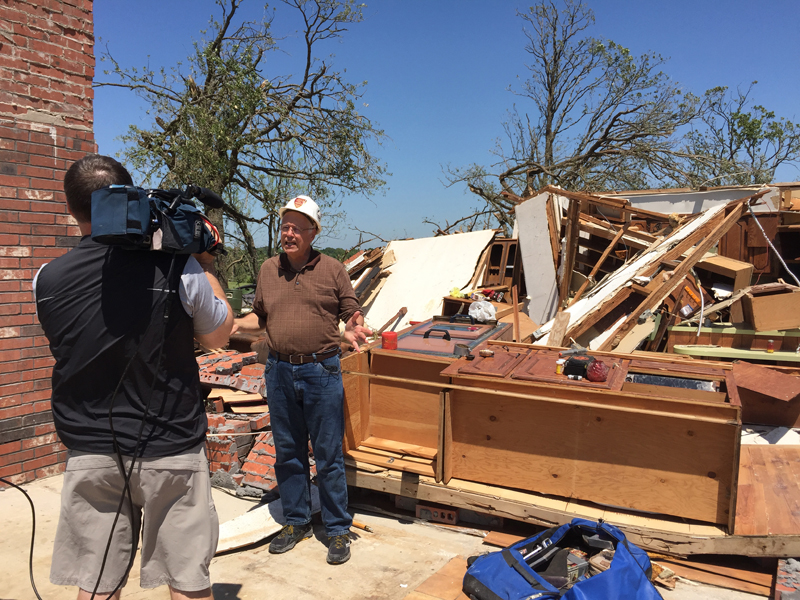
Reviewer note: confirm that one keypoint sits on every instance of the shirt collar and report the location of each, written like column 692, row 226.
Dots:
column 312, row 261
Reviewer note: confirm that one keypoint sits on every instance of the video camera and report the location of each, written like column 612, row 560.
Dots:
column 153, row 219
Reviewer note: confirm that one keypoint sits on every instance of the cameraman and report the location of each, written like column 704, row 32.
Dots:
column 125, row 378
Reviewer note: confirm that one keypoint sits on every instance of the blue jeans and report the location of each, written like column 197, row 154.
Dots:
column 308, row 401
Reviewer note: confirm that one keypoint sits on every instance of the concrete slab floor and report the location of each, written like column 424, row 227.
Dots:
column 386, row 564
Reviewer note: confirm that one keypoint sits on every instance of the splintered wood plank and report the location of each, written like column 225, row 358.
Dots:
column 256, row 409
column 392, row 463
column 559, row 329
column 766, row 381
column 232, row 396
column 717, row 580
column 741, row 569
column 395, row 446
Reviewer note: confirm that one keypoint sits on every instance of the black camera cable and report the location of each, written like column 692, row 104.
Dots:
column 126, row 476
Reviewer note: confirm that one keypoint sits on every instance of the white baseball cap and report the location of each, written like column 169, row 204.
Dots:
column 304, row 205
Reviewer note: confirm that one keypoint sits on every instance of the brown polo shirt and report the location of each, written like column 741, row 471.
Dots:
column 303, row 309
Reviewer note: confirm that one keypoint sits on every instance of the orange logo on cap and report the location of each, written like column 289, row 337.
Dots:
column 298, row 202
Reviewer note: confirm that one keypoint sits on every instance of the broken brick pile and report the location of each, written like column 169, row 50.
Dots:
column 227, row 452
column 229, row 446
column 234, row 370
column 259, row 468
column 787, row 584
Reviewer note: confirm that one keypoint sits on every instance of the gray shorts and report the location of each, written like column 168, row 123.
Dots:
column 173, row 509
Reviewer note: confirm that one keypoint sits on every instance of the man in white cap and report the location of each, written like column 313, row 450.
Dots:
column 300, row 298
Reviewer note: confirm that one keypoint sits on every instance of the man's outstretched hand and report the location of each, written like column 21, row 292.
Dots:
column 355, row 332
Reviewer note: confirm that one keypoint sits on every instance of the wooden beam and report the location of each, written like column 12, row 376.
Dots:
column 573, row 215
column 650, row 532
column 515, row 304
column 559, row 329
column 658, row 295
column 599, row 263
column 553, row 228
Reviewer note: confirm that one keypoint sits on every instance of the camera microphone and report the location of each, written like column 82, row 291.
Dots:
column 206, row 196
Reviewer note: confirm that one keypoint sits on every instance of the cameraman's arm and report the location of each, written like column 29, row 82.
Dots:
column 204, row 300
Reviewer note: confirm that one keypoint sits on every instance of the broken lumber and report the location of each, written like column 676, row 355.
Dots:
column 660, row 294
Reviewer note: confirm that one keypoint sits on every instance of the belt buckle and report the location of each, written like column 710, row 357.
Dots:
column 299, row 359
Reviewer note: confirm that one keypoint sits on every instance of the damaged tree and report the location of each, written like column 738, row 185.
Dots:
column 601, row 119
column 256, row 138
column 737, row 144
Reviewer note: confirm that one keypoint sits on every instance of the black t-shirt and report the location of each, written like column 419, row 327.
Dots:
column 101, row 308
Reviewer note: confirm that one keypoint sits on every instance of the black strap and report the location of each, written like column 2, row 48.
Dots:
column 132, row 216
column 514, row 564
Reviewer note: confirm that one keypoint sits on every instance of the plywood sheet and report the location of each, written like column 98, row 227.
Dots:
column 536, row 249
column 425, row 270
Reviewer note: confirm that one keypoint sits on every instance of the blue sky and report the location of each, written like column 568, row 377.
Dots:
column 437, row 74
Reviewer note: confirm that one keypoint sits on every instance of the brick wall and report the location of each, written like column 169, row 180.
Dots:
column 46, row 68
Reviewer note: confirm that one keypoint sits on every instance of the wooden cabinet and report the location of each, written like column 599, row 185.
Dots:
column 634, row 442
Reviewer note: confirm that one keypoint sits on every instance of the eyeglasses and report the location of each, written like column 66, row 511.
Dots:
column 295, row 230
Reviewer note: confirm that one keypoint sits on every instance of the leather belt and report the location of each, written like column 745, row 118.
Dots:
column 304, row 359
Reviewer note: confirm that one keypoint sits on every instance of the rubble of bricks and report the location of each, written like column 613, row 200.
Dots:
column 46, row 120
column 233, row 369
column 787, row 584
column 228, row 442
column 259, row 468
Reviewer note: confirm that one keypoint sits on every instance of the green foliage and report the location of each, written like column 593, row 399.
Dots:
column 738, row 144
column 340, row 254
column 259, row 138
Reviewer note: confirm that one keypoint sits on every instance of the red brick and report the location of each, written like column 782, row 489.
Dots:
column 44, row 428
column 15, row 411
column 22, row 365
column 17, row 457
column 48, row 449
column 10, row 447
column 55, row 469
column 41, row 440
column 238, row 425
column 14, row 469
column 18, row 228
column 48, row 207
column 258, row 468
column 13, row 400
column 16, row 388
column 260, row 422
column 215, row 420
column 38, row 463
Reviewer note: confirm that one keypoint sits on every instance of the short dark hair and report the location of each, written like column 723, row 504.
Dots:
column 92, row 172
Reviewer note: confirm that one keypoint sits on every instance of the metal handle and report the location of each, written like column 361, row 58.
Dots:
column 445, row 337
column 464, row 318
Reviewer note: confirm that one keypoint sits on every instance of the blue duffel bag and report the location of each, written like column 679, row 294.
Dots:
column 544, row 566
